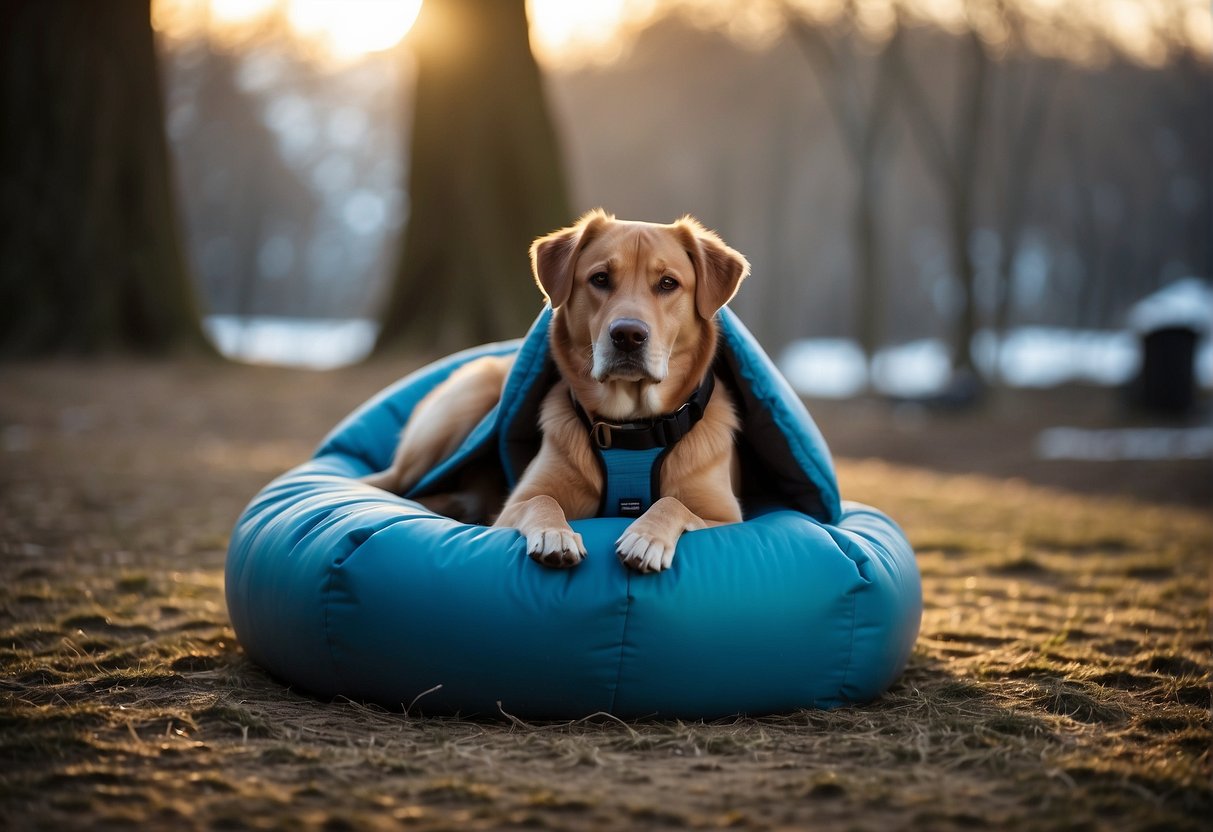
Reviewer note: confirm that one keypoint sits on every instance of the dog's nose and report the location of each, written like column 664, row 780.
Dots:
column 629, row 334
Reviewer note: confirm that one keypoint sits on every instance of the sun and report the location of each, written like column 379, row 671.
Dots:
column 351, row 29
column 343, row 31
column 337, row 30
column 574, row 31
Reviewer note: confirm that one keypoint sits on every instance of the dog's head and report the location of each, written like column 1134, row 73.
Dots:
column 634, row 306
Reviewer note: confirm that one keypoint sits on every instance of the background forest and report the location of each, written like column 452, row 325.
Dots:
column 923, row 187
column 880, row 163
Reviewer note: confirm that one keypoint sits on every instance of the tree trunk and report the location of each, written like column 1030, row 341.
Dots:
column 862, row 118
column 1027, row 101
column 867, row 245
column 960, row 225
column 952, row 149
column 92, row 254
column 970, row 120
column 484, row 180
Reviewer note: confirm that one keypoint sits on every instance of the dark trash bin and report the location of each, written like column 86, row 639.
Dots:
column 1167, row 382
column 1170, row 324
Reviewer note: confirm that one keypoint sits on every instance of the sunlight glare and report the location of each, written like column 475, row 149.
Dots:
column 1198, row 26
column 349, row 30
column 332, row 30
column 1131, row 26
column 239, row 12
column 562, row 30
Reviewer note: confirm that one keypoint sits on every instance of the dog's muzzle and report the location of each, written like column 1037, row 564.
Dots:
column 624, row 353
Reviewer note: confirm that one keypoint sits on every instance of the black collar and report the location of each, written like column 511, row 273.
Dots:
column 659, row 432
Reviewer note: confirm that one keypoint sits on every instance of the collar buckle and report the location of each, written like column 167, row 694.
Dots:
column 601, row 433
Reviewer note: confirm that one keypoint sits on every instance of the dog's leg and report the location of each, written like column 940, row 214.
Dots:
column 547, row 495
column 648, row 544
column 549, row 537
column 442, row 420
column 699, row 481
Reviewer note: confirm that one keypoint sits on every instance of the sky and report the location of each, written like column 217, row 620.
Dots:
column 580, row 31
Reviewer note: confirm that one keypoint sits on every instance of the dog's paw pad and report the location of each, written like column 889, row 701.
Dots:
column 559, row 548
column 644, row 554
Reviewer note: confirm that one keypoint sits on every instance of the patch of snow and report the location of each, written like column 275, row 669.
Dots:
column 315, row 343
column 825, row 368
column 1140, row 444
column 1027, row 357
column 917, row 368
column 1184, row 303
column 1047, row 357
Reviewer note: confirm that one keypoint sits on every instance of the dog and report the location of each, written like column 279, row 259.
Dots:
column 633, row 337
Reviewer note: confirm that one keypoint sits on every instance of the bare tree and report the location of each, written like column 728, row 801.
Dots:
column 238, row 191
column 951, row 145
column 861, row 102
column 1137, row 140
column 1026, row 86
column 485, row 178
column 1189, row 111
column 92, row 257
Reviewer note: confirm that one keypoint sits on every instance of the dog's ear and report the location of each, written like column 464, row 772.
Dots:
column 719, row 269
column 554, row 255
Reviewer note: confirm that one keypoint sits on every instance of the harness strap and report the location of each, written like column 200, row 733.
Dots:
column 631, row 481
column 630, row 454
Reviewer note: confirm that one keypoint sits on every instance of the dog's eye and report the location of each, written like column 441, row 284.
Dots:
column 667, row 284
column 600, row 279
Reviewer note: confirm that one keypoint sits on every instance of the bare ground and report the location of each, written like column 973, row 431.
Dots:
column 1061, row 679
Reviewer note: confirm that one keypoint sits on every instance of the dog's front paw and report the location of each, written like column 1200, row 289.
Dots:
column 558, row 547
column 640, row 549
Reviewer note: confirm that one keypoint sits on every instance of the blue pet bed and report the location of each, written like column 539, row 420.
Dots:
column 340, row 588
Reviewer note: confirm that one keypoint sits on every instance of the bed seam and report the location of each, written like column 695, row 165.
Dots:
column 623, row 640
column 846, row 668
column 328, row 637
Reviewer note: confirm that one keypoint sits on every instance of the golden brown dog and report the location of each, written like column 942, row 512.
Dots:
column 633, row 336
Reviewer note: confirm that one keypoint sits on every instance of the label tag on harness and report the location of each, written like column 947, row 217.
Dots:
column 629, row 507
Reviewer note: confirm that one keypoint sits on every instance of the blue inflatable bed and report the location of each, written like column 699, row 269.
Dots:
column 341, row 589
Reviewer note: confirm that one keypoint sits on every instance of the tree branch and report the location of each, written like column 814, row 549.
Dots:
column 922, row 118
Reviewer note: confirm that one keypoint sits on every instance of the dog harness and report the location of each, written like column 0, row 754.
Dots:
column 630, row 454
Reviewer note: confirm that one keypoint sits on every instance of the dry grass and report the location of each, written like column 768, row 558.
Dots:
column 1061, row 679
